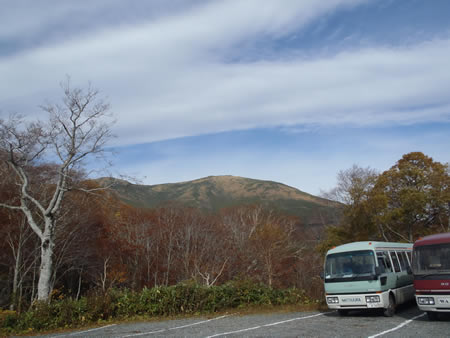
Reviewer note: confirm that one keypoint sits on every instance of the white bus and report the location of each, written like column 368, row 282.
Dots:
column 368, row 275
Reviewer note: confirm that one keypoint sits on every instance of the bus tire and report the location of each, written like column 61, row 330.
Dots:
column 432, row 315
column 390, row 310
column 343, row 313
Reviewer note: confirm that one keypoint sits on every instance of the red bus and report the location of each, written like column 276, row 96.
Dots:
column 431, row 268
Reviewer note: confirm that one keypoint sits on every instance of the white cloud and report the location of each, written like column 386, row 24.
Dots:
column 373, row 86
column 170, row 77
column 40, row 20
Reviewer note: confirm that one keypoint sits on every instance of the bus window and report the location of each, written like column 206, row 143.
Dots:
column 349, row 264
column 429, row 258
column 395, row 261
column 382, row 262
column 387, row 261
column 409, row 254
column 403, row 260
column 363, row 264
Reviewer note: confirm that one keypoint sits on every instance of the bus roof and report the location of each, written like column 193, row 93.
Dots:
column 369, row 245
column 433, row 239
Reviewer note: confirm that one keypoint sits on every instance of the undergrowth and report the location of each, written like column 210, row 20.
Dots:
column 122, row 304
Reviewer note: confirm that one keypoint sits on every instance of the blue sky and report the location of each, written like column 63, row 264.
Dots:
column 287, row 90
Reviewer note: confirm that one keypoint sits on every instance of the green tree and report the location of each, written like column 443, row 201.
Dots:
column 412, row 198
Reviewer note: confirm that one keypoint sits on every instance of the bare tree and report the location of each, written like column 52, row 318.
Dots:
column 24, row 260
column 76, row 130
column 353, row 185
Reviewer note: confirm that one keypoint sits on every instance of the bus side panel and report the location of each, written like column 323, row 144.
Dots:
column 404, row 294
column 428, row 284
column 405, row 285
column 400, row 282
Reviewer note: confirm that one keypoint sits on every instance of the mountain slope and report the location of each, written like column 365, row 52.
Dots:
column 217, row 192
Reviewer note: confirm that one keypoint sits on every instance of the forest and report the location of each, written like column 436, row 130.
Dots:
column 63, row 236
column 103, row 244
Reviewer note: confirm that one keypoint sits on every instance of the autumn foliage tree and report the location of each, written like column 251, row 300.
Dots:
column 264, row 243
column 353, row 191
column 172, row 244
column 409, row 200
column 412, row 198
column 18, row 252
column 75, row 130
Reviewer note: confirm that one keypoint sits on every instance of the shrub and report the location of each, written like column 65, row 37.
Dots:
column 184, row 298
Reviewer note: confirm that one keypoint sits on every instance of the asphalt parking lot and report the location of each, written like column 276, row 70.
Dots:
column 407, row 322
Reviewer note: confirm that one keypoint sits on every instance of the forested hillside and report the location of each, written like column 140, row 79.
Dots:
column 214, row 193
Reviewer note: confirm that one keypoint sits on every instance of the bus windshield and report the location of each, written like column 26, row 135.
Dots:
column 431, row 259
column 348, row 265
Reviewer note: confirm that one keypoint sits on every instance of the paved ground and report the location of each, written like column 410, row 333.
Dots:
column 408, row 322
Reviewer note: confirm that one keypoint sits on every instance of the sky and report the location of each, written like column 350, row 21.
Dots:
column 283, row 90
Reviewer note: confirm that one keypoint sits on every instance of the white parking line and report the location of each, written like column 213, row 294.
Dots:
column 265, row 325
column 175, row 328
column 406, row 322
column 81, row 332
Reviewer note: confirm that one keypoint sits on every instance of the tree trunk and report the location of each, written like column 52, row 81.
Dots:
column 16, row 277
column 79, row 285
column 448, row 229
column 46, row 269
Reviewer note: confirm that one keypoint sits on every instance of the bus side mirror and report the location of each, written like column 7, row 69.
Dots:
column 377, row 271
column 321, row 274
column 409, row 270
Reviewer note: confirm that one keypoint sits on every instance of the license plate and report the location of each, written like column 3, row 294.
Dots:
column 351, row 300
column 443, row 301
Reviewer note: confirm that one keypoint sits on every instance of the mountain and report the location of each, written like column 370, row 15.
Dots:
column 216, row 192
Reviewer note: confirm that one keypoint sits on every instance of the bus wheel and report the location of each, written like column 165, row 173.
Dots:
column 431, row 315
column 343, row 312
column 390, row 310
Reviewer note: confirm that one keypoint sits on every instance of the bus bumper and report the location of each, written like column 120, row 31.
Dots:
column 439, row 303
column 359, row 301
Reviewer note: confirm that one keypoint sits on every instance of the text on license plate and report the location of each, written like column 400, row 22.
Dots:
column 351, row 299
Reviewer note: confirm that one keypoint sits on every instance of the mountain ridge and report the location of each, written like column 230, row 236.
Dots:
column 213, row 193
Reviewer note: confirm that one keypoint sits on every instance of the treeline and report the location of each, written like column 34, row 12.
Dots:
column 410, row 200
column 102, row 244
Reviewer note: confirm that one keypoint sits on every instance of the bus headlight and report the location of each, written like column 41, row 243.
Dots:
column 372, row 299
column 425, row 300
column 332, row 300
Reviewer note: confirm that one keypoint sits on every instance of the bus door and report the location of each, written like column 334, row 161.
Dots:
column 386, row 276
